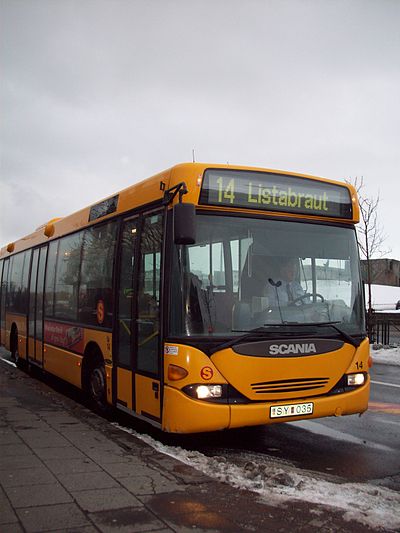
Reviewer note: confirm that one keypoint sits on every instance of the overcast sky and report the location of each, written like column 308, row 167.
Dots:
column 98, row 94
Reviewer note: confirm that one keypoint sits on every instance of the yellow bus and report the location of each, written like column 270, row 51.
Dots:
column 204, row 298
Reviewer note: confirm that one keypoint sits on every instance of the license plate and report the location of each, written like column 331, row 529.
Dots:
column 292, row 409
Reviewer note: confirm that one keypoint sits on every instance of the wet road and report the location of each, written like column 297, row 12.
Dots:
column 354, row 448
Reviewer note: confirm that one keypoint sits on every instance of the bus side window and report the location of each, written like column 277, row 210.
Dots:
column 67, row 275
column 95, row 292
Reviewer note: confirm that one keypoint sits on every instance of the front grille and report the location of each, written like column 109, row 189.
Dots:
column 289, row 385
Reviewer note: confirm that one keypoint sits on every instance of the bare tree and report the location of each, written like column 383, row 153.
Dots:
column 370, row 234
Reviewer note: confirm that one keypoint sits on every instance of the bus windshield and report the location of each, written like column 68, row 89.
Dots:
column 243, row 273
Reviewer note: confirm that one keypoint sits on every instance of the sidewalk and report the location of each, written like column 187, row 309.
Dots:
column 62, row 468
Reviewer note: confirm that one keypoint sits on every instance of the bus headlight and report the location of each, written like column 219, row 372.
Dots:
column 355, row 380
column 204, row 392
column 209, row 392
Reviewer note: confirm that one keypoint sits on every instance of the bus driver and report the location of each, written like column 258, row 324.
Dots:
column 285, row 289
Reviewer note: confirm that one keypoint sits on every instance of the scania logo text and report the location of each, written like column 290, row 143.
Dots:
column 297, row 348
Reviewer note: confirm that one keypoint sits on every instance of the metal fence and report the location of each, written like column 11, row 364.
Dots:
column 384, row 328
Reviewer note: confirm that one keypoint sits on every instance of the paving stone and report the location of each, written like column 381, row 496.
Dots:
column 7, row 515
column 105, row 499
column 20, row 415
column 130, row 520
column 66, row 452
column 57, row 418
column 9, row 437
column 31, row 425
column 19, row 461
column 85, row 529
column 7, row 450
column 8, row 402
column 129, row 469
column 88, row 439
column 168, row 530
column 36, row 433
column 45, row 440
column 66, row 428
column 72, row 466
column 34, row 495
column 48, row 413
column 11, row 528
column 107, row 457
column 52, row 517
column 26, row 476
column 157, row 483
column 87, row 481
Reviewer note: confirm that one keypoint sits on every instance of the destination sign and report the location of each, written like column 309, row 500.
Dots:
column 275, row 192
column 103, row 208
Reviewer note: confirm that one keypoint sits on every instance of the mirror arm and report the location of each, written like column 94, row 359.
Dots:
column 170, row 194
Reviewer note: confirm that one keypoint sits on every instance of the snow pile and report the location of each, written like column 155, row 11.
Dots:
column 279, row 483
column 387, row 355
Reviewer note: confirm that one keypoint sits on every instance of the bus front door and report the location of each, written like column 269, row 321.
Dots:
column 148, row 361
column 36, row 305
column 137, row 346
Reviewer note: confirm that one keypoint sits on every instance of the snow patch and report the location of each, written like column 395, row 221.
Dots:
column 8, row 362
column 277, row 484
column 387, row 355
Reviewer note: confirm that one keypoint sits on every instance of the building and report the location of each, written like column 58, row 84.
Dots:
column 383, row 271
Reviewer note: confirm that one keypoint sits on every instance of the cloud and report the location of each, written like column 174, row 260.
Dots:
column 97, row 94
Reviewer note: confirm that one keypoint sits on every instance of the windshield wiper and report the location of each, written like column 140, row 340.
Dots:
column 349, row 338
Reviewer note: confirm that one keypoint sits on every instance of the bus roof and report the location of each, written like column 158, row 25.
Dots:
column 151, row 191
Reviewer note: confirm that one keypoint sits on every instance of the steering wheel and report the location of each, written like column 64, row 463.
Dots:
column 305, row 296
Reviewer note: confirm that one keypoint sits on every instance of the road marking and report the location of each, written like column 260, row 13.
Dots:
column 8, row 362
column 387, row 384
column 391, row 408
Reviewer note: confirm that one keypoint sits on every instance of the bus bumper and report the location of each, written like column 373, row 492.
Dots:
column 348, row 403
column 182, row 414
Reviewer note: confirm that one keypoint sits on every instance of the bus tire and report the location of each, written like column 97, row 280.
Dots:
column 95, row 385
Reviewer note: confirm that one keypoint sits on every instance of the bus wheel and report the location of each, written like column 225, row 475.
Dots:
column 96, row 388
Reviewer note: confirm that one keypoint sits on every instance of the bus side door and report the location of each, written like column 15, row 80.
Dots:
column 3, row 299
column 36, row 304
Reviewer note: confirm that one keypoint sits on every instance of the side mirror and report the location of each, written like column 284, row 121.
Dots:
column 184, row 223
